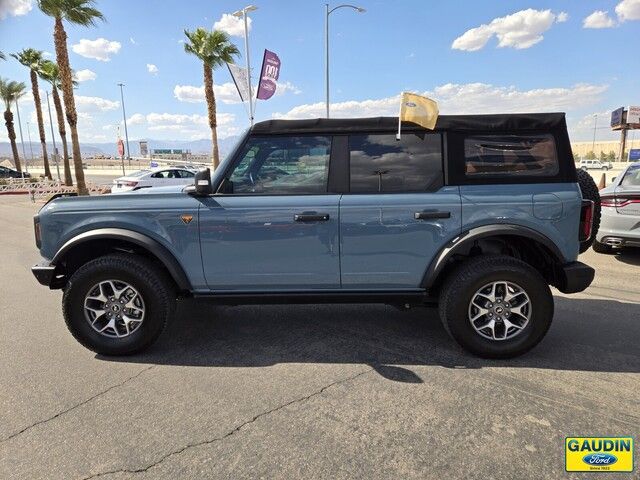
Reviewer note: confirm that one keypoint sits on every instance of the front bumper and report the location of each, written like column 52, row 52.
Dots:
column 574, row 277
column 45, row 273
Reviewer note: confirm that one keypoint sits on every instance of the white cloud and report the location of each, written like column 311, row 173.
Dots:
column 225, row 93
column 234, row 26
column 193, row 126
column 519, row 30
column 85, row 75
column 152, row 69
column 47, row 54
column 95, row 104
column 465, row 99
column 136, row 119
column 562, row 17
column 628, row 10
column 99, row 49
column 15, row 8
column 598, row 19
column 287, row 87
column 132, row 41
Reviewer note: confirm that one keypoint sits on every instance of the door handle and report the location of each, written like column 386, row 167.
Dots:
column 311, row 217
column 431, row 214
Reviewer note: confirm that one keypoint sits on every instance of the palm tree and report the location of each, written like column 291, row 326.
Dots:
column 50, row 72
column 77, row 12
column 214, row 49
column 32, row 59
column 10, row 91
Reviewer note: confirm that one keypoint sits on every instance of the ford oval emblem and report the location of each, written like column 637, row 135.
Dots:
column 599, row 459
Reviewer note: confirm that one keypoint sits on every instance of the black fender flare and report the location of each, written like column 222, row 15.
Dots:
column 156, row 248
column 461, row 241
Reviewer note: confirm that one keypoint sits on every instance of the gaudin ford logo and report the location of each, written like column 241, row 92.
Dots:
column 410, row 104
column 599, row 459
column 598, row 454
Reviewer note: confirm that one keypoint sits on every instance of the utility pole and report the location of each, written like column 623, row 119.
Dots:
column 595, row 123
column 24, row 153
column 55, row 150
column 124, row 117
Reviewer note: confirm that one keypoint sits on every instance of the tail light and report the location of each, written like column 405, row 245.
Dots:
column 36, row 229
column 128, row 184
column 618, row 201
column 586, row 220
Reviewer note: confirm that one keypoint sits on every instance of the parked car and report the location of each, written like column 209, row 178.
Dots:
column 6, row 172
column 620, row 222
column 158, row 177
column 478, row 216
column 595, row 165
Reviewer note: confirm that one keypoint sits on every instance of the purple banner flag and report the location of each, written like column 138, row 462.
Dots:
column 269, row 75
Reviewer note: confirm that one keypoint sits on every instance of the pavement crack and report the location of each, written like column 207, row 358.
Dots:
column 230, row 432
column 77, row 405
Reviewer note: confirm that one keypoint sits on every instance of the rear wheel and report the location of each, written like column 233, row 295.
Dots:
column 589, row 191
column 118, row 304
column 496, row 306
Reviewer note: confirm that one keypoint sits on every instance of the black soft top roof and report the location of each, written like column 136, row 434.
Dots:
column 506, row 122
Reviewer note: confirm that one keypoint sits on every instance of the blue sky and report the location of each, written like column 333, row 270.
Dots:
column 471, row 56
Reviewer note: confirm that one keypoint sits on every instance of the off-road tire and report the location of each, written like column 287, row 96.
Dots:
column 602, row 247
column 462, row 283
column 155, row 287
column 589, row 191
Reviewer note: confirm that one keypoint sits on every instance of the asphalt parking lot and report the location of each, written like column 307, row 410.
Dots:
column 308, row 391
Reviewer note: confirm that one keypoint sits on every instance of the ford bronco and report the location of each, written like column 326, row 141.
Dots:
column 479, row 216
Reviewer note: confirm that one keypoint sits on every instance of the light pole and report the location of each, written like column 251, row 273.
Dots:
column 326, row 43
column 124, row 117
column 30, row 146
column 243, row 14
column 55, row 150
column 595, row 123
column 24, row 153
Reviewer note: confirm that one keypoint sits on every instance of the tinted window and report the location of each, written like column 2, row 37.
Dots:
column 632, row 177
column 380, row 163
column 510, row 155
column 283, row 165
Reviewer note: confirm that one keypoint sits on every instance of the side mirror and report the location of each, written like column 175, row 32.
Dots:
column 203, row 183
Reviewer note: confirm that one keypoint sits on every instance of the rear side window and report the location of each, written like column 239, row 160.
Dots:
column 632, row 177
column 510, row 155
column 380, row 163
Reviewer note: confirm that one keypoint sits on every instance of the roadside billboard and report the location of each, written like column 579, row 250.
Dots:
column 633, row 114
column 616, row 117
column 634, row 154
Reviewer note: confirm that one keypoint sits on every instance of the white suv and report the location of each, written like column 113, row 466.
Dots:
column 595, row 165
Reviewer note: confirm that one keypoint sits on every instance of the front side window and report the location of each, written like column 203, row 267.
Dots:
column 510, row 155
column 381, row 163
column 274, row 165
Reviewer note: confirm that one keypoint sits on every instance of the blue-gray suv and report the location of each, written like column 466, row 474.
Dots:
column 479, row 216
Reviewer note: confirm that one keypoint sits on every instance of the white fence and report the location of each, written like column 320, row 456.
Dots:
column 43, row 188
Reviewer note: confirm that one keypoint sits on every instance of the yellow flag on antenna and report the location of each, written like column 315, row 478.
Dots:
column 418, row 109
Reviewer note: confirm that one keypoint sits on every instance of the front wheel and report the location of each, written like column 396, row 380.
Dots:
column 496, row 306
column 118, row 304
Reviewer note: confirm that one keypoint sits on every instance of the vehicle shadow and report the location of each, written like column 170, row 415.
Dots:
column 205, row 335
column 630, row 256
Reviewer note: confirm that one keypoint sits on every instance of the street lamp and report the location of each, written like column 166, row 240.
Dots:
column 243, row 14
column 24, row 153
column 326, row 43
column 55, row 149
column 124, row 117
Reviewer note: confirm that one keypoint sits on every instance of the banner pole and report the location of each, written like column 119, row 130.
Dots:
column 400, row 116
